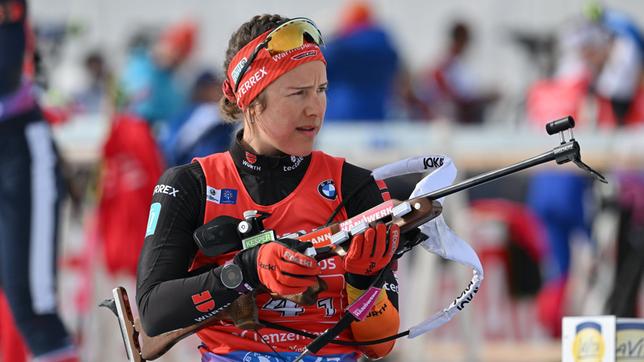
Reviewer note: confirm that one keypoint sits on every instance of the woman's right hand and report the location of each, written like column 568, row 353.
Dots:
column 279, row 266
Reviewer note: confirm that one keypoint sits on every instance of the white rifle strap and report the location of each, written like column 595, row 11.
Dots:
column 441, row 239
column 419, row 164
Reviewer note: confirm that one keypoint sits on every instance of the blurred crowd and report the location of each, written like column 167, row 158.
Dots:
column 163, row 111
column 589, row 67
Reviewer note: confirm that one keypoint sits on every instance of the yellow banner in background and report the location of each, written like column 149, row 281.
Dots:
column 602, row 339
column 630, row 340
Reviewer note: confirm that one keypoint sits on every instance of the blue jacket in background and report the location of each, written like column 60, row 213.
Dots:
column 361, row 66
column 153, row 93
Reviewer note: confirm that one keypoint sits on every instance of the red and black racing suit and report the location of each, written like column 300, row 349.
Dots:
column 166, row 289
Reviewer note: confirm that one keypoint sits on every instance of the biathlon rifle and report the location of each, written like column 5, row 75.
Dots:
column 330, row 241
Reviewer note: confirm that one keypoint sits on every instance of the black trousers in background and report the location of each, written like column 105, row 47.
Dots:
column 30, row 192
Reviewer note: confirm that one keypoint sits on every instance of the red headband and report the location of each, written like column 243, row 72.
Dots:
column 264, row 69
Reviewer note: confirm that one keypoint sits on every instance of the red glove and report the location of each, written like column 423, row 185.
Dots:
column 372, row 250
column 279, row 266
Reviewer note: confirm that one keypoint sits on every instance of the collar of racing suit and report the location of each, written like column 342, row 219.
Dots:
column 249, row 162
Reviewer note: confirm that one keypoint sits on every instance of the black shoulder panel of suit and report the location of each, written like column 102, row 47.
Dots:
column 167, row 294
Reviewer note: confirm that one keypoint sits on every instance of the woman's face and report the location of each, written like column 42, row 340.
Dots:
column 294, row 112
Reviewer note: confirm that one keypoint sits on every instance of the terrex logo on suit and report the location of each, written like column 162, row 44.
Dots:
column 165, row 189
column 203, row 302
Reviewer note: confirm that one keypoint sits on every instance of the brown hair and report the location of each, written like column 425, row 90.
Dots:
column 247, row 32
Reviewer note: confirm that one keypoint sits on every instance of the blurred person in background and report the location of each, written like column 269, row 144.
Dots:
column 362, row 66
column 561, row 200
column 450, row 88
column 599, row 73
column 151, row 95
column 150, row 80
column 199, row 130
column 31, row 188
column 619, row 81
column 624, row 299
column 94, row 96
column 276, row 87
column 617, row 63
column 598, row 81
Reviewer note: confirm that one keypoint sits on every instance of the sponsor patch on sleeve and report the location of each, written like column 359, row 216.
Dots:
column 155, row 210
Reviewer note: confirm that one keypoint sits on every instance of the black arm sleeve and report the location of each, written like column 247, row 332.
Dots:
column 165, row 288
column 360, row 197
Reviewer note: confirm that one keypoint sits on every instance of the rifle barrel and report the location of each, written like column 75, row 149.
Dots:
column 492, row 175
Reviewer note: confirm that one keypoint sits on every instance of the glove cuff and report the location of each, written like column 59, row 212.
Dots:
column 247, row 261
column 354, row 293
column 359, row 281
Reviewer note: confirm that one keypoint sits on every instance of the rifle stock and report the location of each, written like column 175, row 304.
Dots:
column 126, row 324
column 243, row 311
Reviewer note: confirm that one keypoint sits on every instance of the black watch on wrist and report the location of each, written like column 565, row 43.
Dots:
column 232, row 278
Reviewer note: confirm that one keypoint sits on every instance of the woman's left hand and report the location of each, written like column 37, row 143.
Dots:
column 372, row 250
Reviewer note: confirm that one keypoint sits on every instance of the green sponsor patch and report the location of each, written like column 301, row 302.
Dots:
column 258, row 239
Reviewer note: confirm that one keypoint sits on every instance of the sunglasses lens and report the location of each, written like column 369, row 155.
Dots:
column 291, row 35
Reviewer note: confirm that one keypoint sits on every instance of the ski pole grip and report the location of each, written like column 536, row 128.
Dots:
column 559, row 125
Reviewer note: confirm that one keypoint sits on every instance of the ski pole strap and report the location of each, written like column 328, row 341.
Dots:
column 356, row 311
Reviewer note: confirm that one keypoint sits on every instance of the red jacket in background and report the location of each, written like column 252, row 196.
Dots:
column 132, row 164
